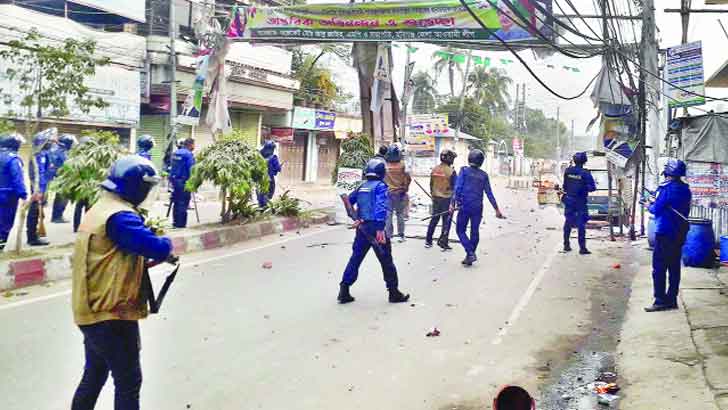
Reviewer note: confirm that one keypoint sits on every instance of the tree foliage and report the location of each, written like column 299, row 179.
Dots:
column 6, row 126
column 50, row 78
column 447, row 61
column 489, row 88
column 424, row 93
column 235, row 167
column 87, row 166
column 317, row 85
column 355, row 153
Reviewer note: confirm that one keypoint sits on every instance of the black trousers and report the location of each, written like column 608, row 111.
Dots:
column 440, row 208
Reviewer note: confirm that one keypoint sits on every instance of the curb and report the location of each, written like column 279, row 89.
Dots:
column 26, row 272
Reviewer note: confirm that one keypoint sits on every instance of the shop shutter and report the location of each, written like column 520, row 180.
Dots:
column 156, row 126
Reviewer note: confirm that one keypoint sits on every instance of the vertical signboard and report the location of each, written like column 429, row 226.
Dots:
column 684, row 75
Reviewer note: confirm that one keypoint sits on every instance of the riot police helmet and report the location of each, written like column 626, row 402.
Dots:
column 383, row 149
column 448, row 156
column 43, row 139
column 476, row 158
column 675, row 168
column 145, row 142
column 11, row 141
column 580, row 158
column 376, row 169
column 269, row 147
column 67, row 141
column 393, row 154
column 132, row 178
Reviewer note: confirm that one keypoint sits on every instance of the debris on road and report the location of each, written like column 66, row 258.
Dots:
column 617, row 266
column 607, row 377
column 607, row 399
column 435, row 332
column 267, row 265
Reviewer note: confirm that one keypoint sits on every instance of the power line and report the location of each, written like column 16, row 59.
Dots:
column 506, row 45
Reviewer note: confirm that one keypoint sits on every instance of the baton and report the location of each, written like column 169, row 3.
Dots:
column 438, row 214
column 422, row 188
column 155, row 303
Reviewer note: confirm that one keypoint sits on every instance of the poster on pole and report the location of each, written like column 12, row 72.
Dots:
column 415, row 20
column 685, row 76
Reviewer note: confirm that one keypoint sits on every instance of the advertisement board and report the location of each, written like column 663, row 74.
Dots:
column 416, row 20
column 434, row 125
column 312, row 119
column 684, row 69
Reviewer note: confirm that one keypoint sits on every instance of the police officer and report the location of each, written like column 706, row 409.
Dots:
column 442, row 186
column 578, row 182
column 12, row 185
column 145, row 143
column 398, row 180
column 58, row 158
column 107, row 303
column 370, row 200
column 274, row 167
column 671, row 209
column 41, row 162
column 179, row 173
column 472, row 183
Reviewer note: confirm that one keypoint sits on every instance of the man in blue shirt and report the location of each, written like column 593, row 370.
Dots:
column 58, row 157
column 12, row 185
column 370, row 216
column 274, row 167
column 40, row 167
column 145, row 143
column 578, row 182
column 671, row 209
column 179, row 173
column 108, row 296
column 472, row 183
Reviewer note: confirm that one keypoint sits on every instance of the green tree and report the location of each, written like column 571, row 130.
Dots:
column 87, row 166
column 6, row 126
column 424, row 94
column 317, row 86
column 477, row 120
column 489, row 87
column 48, row 79
column 237, row 169
column 447, row 60
column 540, row 135
column 355, row 152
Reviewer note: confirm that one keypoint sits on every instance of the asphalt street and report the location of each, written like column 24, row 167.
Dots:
column 233, row 335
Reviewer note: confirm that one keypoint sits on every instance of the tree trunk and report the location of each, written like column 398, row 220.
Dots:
column 365, row 58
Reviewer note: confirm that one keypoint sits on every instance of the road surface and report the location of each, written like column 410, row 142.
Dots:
column 233, row 335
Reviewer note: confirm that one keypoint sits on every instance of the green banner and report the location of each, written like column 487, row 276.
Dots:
column 418, row 20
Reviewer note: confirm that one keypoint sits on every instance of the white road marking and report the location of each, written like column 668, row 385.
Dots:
column 526, row 297
column 193, row 261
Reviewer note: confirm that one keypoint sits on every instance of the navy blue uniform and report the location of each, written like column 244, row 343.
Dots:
column 371, row 200
column 670, row 232
column 180, row 171
column 145, row 154
column 274, row 167
column 12, row 188
column 471, row 185
column 45, row 169
column 57, row 157
column 578, row 182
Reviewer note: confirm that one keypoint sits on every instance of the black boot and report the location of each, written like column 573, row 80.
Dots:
column 38, row 242
column 567, row 247
column 469, row 259
column 444, row 246
column 344, row 295
column 584, row 251
column 395, row 296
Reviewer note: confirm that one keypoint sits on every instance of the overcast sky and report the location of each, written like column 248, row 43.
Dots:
column 703, row 27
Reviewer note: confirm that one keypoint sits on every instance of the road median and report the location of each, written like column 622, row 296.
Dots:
column 55, row 263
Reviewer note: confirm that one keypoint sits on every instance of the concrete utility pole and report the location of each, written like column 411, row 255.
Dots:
column 517, row 110
column 572, row 142
column 610, row 191
column 462, row 95
column 558, row 137
column 522, row 109
column 405, row 98
column 173, row 68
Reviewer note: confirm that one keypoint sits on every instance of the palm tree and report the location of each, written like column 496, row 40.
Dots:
column 489, row 88
column 424, row 93
column 447, row 60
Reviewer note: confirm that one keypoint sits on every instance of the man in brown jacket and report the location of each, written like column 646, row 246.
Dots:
column 398, row 181
column 442, row 187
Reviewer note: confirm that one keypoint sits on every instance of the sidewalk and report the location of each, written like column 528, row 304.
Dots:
column 677, row 360
column 314, row 196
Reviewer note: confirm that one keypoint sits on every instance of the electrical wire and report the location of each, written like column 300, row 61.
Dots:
column 526, row 66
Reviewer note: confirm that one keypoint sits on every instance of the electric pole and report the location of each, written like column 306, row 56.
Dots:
column 610, row 191
column 558, row 137
column 405, row 94
column 516, row 110
column 173, row 68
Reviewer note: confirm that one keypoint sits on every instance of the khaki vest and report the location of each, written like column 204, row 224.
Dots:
column 106, row 280
column 396, row 178
column 440, row 181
